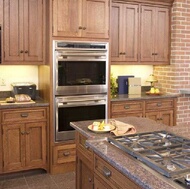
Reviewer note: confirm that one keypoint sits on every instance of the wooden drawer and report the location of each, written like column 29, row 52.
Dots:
column 111, row 176
column 23, row 114
column 159, row 104
column 64, row 154
column 127, row 106
column 81, row 146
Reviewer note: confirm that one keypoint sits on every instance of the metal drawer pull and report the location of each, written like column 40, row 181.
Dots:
column 87, row 147
column 24, row 114
column 89, row 179
column 106, row 172
column 22, row 132
column 66, row 153
column 127, row 107
column 159, row 104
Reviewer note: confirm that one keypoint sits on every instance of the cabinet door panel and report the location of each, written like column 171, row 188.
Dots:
column 13, row 30
column 35, row 144
column 130, row 32
column 147, row 33
column 167, row 117
column 116, row 35
column 13, row 147
column 67, row 18
column 95, row 18
column 162, row 35
column 33, row 30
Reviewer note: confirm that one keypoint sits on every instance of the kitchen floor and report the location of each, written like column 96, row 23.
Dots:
column 37, row 180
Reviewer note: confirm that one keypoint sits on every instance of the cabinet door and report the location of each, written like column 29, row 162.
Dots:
column 162, row 35
column 147, row 33
column 95, row 18
column 67, row 18
column 13, row 147
column 35, row 144
column 33, row 30
column 116, row 32
column 84, row 175
column 13, row 30
column 167, row 117
column 130, row 32
column 153, row 115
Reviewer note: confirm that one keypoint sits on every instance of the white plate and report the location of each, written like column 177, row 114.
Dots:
column 107, row 128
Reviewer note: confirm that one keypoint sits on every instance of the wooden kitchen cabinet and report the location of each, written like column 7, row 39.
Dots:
column 127, row 108
column 161, row 110
column 24, row 139
column 23, row 32
column 155, row 34
column 113, row 179
column 81, row 18
column 124, row 32
column 84, row 164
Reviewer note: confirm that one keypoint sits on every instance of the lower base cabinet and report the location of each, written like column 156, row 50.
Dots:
column 93, row 172
column 24, row 139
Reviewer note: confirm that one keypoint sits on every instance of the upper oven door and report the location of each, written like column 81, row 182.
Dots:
column 80, row 71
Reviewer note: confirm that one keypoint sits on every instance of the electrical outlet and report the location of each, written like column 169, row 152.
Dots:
column 2, row 82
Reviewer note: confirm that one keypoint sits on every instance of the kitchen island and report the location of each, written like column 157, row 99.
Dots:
column 138, row 174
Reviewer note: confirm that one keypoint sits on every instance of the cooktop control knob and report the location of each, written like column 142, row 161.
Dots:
column 187, row 178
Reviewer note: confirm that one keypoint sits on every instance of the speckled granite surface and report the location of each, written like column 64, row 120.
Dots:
column 143, row 96
column 129, row 166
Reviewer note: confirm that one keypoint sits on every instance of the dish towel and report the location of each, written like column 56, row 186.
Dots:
column 122, row 128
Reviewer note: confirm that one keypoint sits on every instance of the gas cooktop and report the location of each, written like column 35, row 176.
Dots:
column 162, row 151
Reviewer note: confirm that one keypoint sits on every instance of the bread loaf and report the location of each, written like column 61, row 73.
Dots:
column 22, row 98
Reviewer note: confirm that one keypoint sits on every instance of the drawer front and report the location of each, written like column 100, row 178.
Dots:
column 159, row 104
column 23, row 114
column 64, row 154
column 111, row 176
column 81, row 146
column 127, row 106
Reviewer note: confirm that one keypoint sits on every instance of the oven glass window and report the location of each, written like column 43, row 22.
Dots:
column 81, row 113
column 81, row 73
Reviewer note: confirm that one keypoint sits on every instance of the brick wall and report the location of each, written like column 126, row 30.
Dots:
column 176, row 76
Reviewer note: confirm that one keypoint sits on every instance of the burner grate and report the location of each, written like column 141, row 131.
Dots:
column 164, row 152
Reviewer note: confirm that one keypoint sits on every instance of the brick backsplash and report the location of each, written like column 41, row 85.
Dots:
column 176, row 76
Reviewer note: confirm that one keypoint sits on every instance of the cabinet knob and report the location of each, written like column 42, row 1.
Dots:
column 120, row 53
column 159, row 104
column 22, row 132
column 21, row 51
column 26, row 51
column 24, row 115
column 126, row 106
column 106, row 172
column 153, row 53
column 80, row 27
column 27, row 133
column 66, row 153
column 89, row 179
column 84, row 28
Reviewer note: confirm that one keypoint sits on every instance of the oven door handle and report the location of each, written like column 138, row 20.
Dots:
column 80, row 103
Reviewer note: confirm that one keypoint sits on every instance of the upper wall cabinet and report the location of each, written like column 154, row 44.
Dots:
column 124, row 32
column 154, row 34
column 23, row 30
column 81, row 18
column 140, row 33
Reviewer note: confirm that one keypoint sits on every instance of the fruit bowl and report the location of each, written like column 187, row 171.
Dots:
column 149, row 93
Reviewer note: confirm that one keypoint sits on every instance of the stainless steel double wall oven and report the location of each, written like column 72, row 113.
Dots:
column 80, row 84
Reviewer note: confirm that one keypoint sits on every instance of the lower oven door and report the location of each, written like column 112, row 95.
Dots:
column 77, row 108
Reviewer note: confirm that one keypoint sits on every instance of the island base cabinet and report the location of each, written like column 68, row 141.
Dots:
column 84, row 175
column 24, row 146
column 99, row 184
column 110, row 176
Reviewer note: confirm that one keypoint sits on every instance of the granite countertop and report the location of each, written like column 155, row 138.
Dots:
column 37, row 103
column 129, row 166
column 142, row 96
